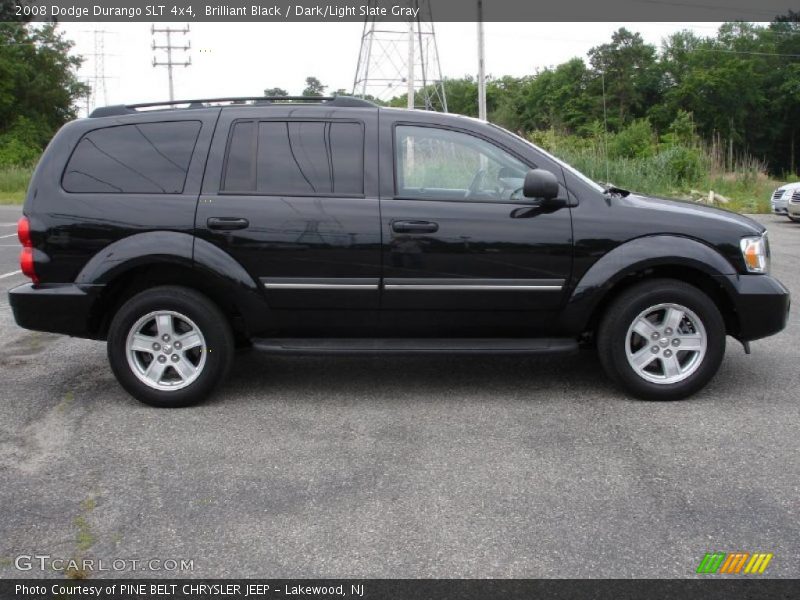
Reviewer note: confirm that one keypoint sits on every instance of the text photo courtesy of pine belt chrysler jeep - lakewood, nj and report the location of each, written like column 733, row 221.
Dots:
column 177, row 232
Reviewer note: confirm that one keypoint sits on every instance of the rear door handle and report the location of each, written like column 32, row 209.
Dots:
column 227, row 223
column 415, row 227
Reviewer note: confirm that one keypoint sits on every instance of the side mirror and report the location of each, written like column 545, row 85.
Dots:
column 540, row 184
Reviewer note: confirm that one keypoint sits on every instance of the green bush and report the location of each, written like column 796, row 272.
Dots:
column 21, row 144
column 681, row 165
column 681, row 131
column 637, row 140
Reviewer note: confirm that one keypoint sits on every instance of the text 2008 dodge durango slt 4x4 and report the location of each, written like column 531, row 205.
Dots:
column 329, row 225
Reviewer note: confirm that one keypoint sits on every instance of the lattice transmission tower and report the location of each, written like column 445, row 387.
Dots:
column 97, row 90
column 401, row 58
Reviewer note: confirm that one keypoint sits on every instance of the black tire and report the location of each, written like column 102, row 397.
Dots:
column 212, row 324
column 619, row 317
column 794, row 219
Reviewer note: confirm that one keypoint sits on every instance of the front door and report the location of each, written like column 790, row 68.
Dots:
column 463, row 252
column 289, row 194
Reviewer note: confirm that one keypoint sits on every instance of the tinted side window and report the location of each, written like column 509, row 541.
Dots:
column 441, row 164
column 296, row 158
column 240, row 174
column 145, row 158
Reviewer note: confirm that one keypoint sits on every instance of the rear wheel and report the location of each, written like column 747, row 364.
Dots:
column 662, row 340
column 169, row 346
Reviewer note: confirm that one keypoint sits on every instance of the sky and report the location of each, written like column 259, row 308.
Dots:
column 242, row 59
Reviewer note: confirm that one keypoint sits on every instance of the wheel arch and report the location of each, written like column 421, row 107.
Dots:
column 652, row 257
column 130, row 266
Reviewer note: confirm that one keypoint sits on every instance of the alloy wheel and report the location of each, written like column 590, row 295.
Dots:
column 666, row 343
column 166, row 350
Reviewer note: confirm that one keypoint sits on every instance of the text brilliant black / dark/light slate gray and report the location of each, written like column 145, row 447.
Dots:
column 358, row 10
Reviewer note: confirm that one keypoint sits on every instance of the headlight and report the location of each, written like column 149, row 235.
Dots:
column 755, row 251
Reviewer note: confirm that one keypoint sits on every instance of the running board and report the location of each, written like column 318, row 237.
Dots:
column 354, row 346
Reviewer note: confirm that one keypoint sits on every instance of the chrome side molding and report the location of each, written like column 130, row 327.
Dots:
column 413, row 284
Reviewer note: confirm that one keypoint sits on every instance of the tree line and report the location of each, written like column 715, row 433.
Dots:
column 739, row 90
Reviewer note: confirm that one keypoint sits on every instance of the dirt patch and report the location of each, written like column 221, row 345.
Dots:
column 22, row 349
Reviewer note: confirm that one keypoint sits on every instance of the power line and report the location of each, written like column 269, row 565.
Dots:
column 572, row 40
column 693, row 5
column 744, row 52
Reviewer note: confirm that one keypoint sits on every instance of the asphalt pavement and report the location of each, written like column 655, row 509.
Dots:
column 398, row 467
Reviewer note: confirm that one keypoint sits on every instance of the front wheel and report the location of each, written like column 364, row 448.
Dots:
column 662, row 340
column 169, row 346
column 794, row 219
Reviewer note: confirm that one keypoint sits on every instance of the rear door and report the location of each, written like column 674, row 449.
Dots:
column 289, row 193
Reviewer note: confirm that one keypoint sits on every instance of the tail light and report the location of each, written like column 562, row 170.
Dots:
column 26, row 256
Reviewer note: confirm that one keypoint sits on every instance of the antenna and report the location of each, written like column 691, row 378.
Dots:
column 605, row 124
column 401, row 59
column 169, row 47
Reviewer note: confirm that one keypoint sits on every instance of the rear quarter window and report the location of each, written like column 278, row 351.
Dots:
column 143, row 158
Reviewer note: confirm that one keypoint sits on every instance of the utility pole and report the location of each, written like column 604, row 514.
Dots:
column 481, row 66
column 170, row 48
column 410, row 77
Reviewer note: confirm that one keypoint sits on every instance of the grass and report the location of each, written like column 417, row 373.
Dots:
column 748, row 190
column 747, row 194
column 12, row 197
column 13, row 184
column 84, row 538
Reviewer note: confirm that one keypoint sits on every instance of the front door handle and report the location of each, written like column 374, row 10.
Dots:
column 227, row 223
column 415, row 227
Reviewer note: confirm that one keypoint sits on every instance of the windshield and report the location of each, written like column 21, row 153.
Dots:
column 590, row 182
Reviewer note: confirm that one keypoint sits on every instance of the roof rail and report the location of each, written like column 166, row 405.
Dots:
column 129, row 109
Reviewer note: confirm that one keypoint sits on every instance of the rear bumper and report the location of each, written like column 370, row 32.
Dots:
column 61, row 308
column 762, row 305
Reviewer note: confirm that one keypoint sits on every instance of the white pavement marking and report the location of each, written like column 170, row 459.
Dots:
column 14, row 224
column 8, row 236
column 11, row 274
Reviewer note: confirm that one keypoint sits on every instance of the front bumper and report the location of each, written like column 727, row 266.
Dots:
column 779, row 207
column 761, row 303
column 55, row 308
column 793, row 209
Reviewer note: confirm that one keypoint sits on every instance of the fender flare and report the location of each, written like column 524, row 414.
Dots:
column 218, row 269
column 139, row 249
column 637, row 255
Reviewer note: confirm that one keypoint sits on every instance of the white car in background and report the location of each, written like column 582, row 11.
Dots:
column 793, row 206
column 782, row 199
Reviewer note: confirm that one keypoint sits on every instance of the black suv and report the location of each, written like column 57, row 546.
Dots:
column 180, row 230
